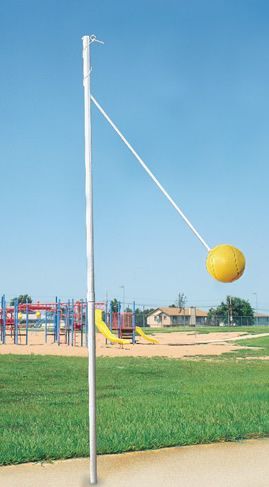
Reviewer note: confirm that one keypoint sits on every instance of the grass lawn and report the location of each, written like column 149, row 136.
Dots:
column 259, row 348
column 209, row 329
column 142, row 404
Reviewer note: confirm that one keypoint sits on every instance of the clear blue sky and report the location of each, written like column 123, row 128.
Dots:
column 188, row 83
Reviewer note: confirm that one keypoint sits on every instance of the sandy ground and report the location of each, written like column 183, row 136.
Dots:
column 172, row 345
column 241, row 464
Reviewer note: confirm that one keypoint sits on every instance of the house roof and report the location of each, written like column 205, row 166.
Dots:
column 176, row 311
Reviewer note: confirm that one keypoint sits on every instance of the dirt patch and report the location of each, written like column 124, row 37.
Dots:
column 172, row 345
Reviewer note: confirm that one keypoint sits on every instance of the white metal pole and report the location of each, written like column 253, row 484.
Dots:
column 90, row 259
column 150, row 173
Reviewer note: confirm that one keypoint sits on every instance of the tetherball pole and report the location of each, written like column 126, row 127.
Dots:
column 86, row 40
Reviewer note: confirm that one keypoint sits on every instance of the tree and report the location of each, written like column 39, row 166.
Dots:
column 233, row 311
column 141, row 316
column 114, row 305
column 180, row 302
column 22, row 299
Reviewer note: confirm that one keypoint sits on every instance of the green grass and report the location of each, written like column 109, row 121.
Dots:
column 256, row 348
column 259, row 348
column 209, row 329
column 141, row 404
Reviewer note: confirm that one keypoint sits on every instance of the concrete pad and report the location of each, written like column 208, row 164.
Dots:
column 241, row 464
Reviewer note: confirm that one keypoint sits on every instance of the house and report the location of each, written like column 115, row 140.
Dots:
column 161, row 317
column 261, row 319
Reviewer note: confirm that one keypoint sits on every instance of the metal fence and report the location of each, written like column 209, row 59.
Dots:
column 237, row 321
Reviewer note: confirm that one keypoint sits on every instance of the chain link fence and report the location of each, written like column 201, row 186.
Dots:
column 237, row 321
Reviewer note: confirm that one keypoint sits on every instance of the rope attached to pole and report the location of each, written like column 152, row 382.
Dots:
column 151, row 175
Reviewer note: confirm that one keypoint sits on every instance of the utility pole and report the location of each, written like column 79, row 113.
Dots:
column 230, row 311
column 256, row 308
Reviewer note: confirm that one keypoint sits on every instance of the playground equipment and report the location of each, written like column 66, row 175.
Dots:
column 11, row 323
column 146, row 337
column 123, row 323
column 103, row 328
column 64, row 322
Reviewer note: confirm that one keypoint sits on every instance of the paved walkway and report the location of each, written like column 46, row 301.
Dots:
column 242, row 464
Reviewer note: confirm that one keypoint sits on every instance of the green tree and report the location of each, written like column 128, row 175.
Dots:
column 141, row 316
column 114, row 305
column 180, row 302
column 22, row 299
column 232, row 311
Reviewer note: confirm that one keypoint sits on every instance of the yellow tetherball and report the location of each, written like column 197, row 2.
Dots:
column 38, row 314
column 20, row 316
column 225, row 263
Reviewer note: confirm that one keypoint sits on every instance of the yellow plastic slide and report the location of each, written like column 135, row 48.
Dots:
column 146, row 337
column 103, row 328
